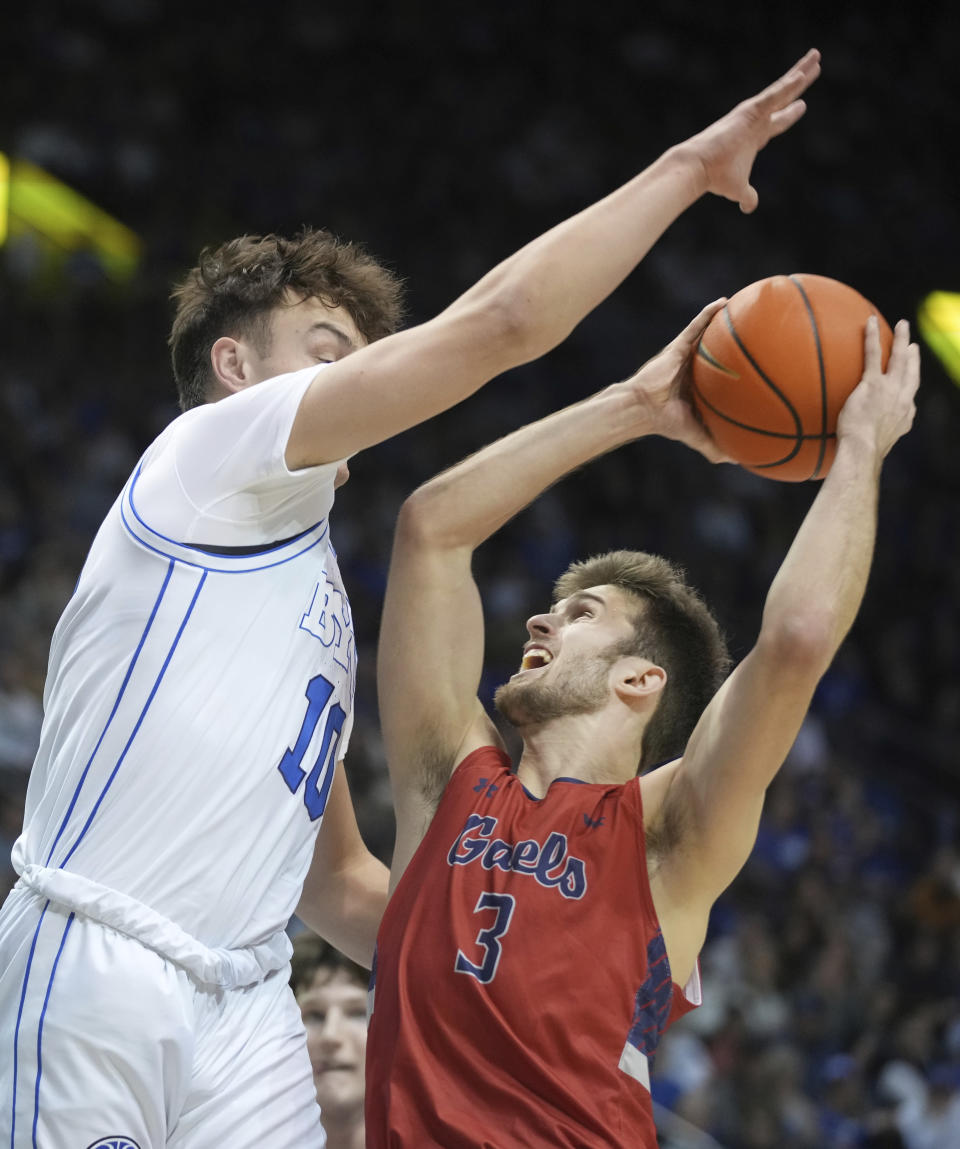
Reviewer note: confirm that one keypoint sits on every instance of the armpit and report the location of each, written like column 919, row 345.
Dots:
column 667, row 826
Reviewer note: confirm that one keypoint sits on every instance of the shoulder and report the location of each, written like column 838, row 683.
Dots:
column 483, row 759
column 279, row 397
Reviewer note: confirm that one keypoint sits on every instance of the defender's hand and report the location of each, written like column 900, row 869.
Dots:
column 661, row 389
column 726, row 150
column 881, row 408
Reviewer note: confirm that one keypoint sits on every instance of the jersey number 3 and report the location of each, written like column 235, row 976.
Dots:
column 318, row 781
column 488, row 939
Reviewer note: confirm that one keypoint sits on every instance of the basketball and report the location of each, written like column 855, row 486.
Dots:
column 774, row 367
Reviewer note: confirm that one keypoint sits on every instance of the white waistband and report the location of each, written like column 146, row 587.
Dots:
column 214, row 966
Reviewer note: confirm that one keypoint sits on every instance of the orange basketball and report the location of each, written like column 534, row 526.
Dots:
column 775, row 366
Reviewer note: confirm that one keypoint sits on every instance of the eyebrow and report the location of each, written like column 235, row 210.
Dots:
column 579, row 596
column 338, row 332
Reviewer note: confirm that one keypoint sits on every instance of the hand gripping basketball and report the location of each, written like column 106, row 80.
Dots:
column 775, row 367
column 662, row 388
column 881, row 408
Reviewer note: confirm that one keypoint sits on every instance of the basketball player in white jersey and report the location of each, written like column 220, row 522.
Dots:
column 200, row 685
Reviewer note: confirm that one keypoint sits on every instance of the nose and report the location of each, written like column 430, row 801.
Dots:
column 330, row 1031
column 541, row 625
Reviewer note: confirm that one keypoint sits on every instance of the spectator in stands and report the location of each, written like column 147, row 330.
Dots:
column 331, row 991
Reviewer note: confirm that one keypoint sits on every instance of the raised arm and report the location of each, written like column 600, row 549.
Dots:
column 716, row 791
column 431, row 639
column 533, row 300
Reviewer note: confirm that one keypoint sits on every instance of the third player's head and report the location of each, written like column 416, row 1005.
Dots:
column 626, row 633
column 260, row 306
column 331, row 991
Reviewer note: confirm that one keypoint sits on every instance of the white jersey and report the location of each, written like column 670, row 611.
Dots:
column 197, row 701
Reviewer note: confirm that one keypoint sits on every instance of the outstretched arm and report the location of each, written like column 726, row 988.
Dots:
column 533, row 300
column 716, row 791
column 431, row 639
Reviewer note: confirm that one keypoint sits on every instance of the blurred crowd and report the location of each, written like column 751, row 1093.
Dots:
column 831, row 1015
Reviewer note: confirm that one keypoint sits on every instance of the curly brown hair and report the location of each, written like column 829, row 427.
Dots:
column 234, row 288
column 673, row 628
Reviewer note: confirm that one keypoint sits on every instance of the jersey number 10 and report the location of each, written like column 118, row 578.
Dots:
column 318, row 781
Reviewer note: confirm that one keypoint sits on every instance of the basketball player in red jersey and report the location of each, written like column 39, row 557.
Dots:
column 543, row 919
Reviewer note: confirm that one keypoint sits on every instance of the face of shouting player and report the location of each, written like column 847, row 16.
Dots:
column 569, row 663
column 334, row 1012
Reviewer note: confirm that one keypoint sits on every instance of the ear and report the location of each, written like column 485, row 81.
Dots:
column 639, row 683
column 232, row 366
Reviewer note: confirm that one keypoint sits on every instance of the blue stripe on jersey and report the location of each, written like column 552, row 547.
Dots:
column 651, row 1007
column 143, row 714
column 103, row 734
column 43, row 1013
column 16, row 1031
column 237, row 564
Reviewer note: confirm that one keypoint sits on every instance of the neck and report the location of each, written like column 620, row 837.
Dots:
column 597, row 747
column 344, row 1130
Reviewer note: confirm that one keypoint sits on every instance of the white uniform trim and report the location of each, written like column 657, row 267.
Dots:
column 693, row 990
column 636, row 1065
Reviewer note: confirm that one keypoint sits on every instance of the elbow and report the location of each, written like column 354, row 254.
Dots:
column 514, row 321
column 427, row 521
column 415, row 521
column 503, row 323
column 432, row 521
column 800, row 644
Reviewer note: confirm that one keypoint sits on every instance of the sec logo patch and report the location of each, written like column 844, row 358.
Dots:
column 114, row 1143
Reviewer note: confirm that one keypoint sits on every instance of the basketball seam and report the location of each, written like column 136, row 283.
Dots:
column 704, row 353
column 798, row 436
column 701, row 398
column 823, row 374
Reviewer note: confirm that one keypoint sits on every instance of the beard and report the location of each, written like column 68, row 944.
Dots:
column 583, row 690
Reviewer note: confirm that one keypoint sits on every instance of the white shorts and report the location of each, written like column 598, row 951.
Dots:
column 107, row 1042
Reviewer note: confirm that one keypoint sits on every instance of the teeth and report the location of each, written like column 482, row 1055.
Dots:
column 534, row 658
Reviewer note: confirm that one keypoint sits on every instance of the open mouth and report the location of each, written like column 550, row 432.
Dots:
column 535, row 658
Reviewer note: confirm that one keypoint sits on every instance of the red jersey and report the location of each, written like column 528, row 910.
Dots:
column 521, row 981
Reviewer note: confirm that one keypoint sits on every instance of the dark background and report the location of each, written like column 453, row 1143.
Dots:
column 444, row 137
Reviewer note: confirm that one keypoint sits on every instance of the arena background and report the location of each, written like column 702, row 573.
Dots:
column 443, row 137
